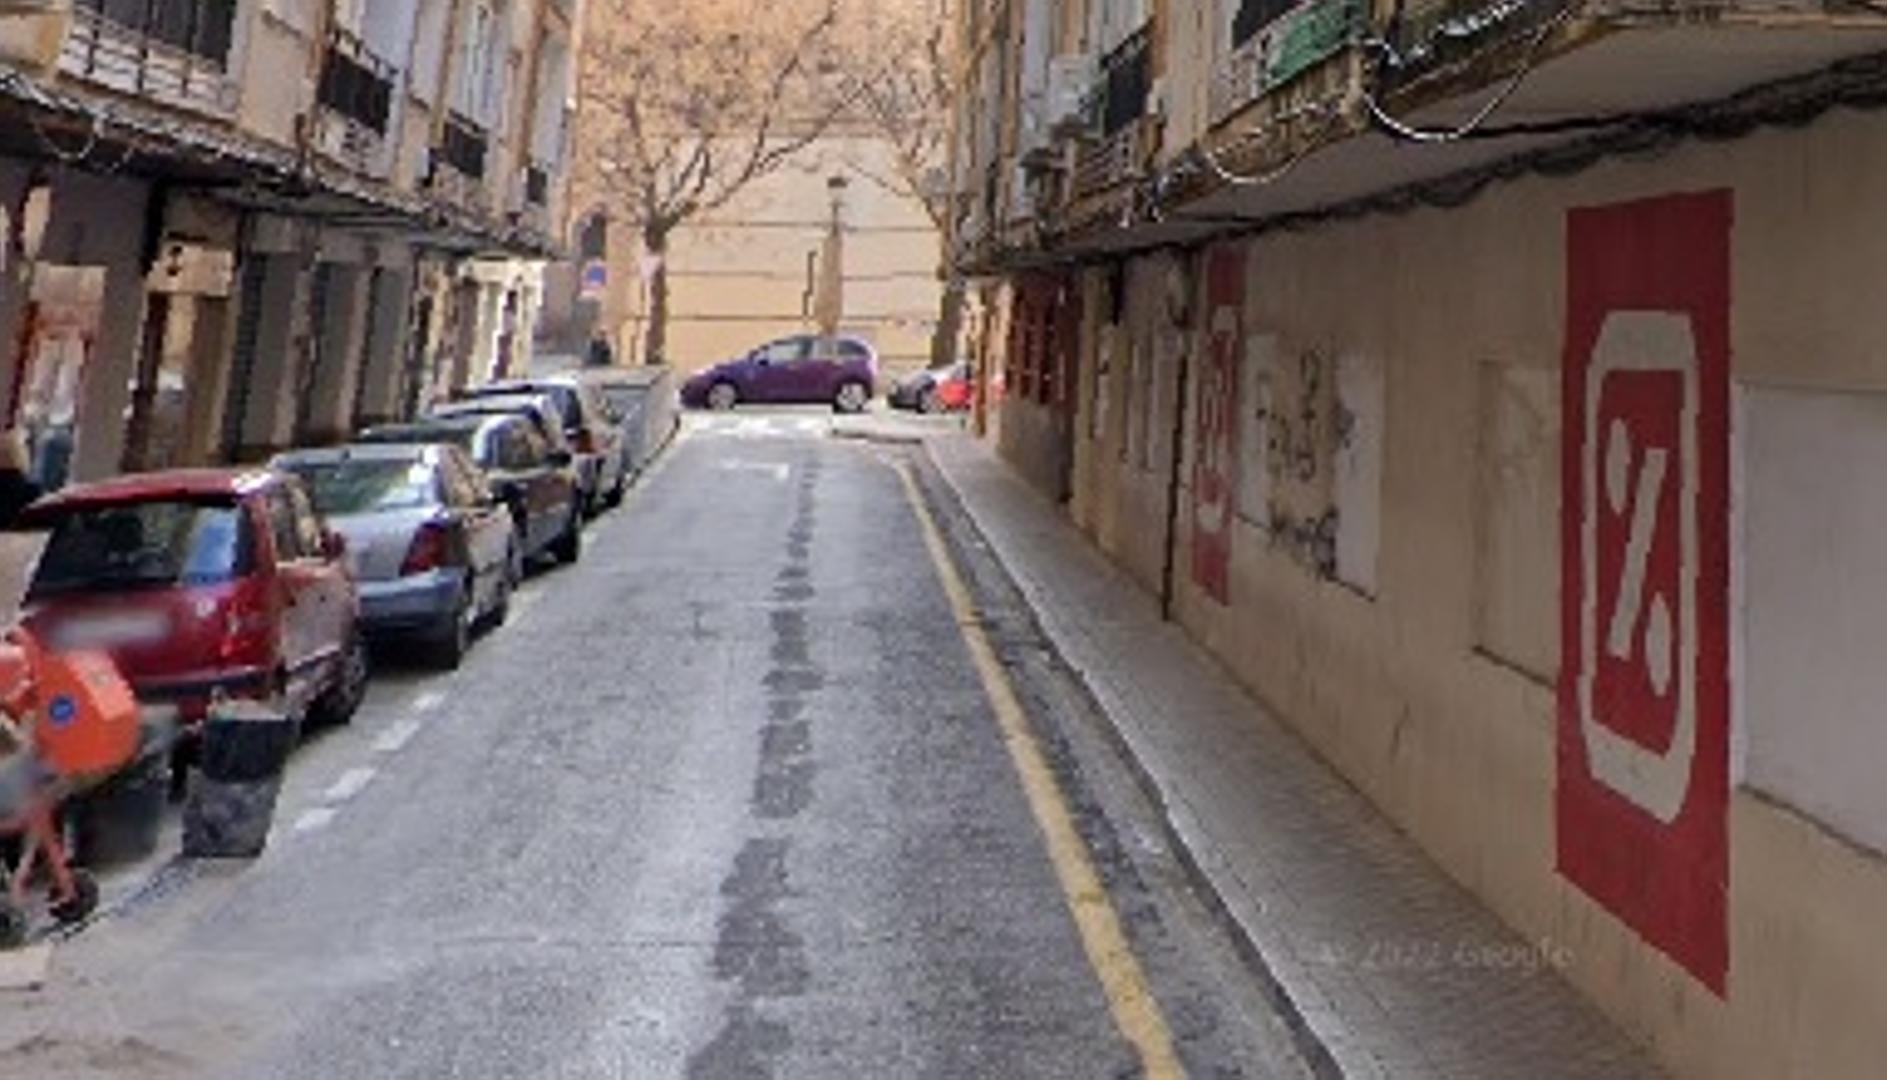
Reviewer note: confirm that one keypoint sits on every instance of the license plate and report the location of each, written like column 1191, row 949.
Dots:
column 112, row 630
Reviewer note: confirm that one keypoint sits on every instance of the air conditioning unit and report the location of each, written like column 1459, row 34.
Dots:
column 1071, row 78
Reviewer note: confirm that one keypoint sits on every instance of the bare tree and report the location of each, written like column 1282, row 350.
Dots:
column 899, row 77
column 684, row 103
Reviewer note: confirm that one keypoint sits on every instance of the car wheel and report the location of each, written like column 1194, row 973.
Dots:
column 341, row 701
column 568, row 548
column 722, row 396
column 513, row 579
column 852, row 397
column 929, row 402
column 453, row 639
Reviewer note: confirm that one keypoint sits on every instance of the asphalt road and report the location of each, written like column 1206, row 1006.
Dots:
column 728, row 799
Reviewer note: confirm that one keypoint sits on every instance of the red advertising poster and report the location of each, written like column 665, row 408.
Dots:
column 1215, row 428
column 1642, row 798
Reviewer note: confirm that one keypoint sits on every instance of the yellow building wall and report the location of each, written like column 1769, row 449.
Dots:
column 739, row 275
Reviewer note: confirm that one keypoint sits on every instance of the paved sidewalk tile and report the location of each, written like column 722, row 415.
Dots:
column 1394, row 968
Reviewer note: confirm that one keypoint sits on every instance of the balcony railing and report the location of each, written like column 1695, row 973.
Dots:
column 463, row 146
column 1115, row 109
column 1275, row 43
column 355, row 83
column 176, row 51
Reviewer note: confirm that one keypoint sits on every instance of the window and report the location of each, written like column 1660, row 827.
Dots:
column 462, row 487
column 112, row 548
column 785, row 351
column 358, row 487
column 1252, row 16
column 202, row 28
column 429, row 43
column 475, row 64
column 283, row 528
column 553, row 94
column 308, row 529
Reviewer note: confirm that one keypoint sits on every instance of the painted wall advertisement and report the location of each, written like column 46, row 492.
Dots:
column 1643, row 733
column 1215, row 427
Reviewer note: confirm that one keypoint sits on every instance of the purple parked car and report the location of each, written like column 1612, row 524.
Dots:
column 801, row 370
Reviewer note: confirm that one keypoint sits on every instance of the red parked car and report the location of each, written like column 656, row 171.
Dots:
column 934, row 390
column 200, row 582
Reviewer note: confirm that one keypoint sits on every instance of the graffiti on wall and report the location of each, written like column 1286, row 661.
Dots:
column 1310, row 456
column 1215, row 430
column 1643, row 734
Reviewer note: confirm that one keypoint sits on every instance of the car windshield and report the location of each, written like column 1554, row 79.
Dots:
column 356, row 486
column 102, row 548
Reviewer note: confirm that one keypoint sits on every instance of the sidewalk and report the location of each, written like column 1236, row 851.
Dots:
column 1390, row 966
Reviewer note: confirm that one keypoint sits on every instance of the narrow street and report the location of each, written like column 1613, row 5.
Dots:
column 728, row 799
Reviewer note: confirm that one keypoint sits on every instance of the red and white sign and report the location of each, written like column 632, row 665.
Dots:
column 1215, row 429
column 1643, row 790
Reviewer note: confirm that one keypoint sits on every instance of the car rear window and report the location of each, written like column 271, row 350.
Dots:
column 358, row 486
column 465, row 438
column 142, row 544
column 625, row 399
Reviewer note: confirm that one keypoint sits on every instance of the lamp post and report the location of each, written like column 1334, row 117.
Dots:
column 830, row 308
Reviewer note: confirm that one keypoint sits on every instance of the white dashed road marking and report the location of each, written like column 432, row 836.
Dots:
column 395, row 738
column 351, row 783
column 317, row 818
column 431, row 699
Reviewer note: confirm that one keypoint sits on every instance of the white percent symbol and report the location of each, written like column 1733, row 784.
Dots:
column 1641, row 341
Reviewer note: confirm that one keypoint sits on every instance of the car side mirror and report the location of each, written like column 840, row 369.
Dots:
column 333, row 545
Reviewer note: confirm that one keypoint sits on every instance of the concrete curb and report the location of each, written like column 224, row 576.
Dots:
column 1183, row 841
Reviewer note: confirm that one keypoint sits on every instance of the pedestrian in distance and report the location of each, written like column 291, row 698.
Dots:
column 601, row 355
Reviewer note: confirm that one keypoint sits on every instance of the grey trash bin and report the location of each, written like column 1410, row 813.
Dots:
column 232, row 796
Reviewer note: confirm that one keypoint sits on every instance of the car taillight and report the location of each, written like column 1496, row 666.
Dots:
column 431, row 550
column 248, row 632
column 583, row 442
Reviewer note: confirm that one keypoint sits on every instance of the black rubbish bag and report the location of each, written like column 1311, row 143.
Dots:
column 239, row 775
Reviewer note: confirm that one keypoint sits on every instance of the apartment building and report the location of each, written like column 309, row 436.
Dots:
column 236, row 225
column 1501, row 379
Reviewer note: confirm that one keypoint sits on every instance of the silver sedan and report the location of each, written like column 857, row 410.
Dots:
column 436, row 556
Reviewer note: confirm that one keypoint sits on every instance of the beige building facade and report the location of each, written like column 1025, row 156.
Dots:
column 1528, row 474
column 748, row 272
column 240, row 225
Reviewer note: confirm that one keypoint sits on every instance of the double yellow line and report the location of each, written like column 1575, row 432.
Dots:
column 1136, row 1012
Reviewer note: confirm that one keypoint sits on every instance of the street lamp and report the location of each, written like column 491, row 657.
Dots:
column 830, row 303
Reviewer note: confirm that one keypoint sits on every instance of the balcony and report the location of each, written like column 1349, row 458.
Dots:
column 172, row 51
column 463, row 146
column 457, row 172
column 1317, row 114
column 1275, row 43
column 356, row 98
column 1115, row 110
